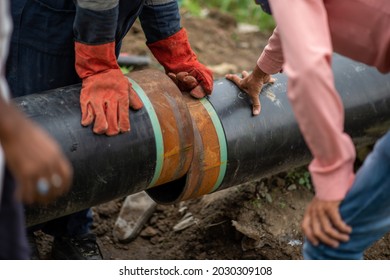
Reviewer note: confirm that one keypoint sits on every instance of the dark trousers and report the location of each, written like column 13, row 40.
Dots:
column 13, row 242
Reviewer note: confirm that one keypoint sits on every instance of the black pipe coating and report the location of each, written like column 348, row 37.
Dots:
column 106, row 168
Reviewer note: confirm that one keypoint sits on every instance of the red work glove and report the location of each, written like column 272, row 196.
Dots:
column 181, row 64
column 106, row 93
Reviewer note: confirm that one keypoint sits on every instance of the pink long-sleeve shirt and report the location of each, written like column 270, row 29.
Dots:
column 307, row 33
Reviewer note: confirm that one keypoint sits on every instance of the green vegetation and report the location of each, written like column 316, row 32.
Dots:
column 256, row 203
column 282, row 204
column 126, row 69
column 243, row 10
column 300, row 176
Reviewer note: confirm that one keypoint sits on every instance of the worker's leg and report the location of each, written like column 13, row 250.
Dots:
column 366, row 208
column 13, row 242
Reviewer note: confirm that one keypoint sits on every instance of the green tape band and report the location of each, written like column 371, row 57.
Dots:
column 221, row 139
column 156, row 129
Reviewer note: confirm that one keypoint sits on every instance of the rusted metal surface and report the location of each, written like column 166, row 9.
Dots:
column 205, row 166
column 175, row 122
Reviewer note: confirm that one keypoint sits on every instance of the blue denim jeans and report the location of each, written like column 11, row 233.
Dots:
column 160, row 21
column 41, row 55
column 366, row 208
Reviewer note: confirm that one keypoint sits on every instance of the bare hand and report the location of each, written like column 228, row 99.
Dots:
column 322, row 223
column 31, row 156
column 252, row 84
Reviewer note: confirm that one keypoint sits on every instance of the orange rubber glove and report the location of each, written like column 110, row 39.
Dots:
column 106, row 93
column 181, row 64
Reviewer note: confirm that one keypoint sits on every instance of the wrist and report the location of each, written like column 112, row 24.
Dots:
column 93, row 59
column 11, row 120
column 259, row 74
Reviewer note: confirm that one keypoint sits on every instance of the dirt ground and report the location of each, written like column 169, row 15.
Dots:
column 258, row 220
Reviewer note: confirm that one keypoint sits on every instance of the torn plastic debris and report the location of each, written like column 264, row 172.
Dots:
column 185, row 222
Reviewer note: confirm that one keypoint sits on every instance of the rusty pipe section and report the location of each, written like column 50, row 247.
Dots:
column 241, row 148
column 180, row 148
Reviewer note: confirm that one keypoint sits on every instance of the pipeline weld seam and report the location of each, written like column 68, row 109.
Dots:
column 156, row 129
column 221, row 139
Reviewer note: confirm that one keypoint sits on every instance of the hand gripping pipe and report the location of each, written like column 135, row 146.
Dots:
column 180, row 148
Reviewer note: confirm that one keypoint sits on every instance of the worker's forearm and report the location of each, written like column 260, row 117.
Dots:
column 160, row 19
column 10, row 118
column 271, row 59
column 95, row 21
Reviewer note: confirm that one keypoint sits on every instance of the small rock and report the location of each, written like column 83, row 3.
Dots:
column 248, row 243
column 153, row 220
column 292, row 187
column 187, row 221
column 295, row 242
column 244, row 45
column 268, row 197
column 148, row 232
column 247, row 28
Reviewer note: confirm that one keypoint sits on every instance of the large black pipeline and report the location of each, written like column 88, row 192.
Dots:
column 180, row 148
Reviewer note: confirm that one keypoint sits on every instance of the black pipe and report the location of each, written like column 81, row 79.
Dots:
column 264, row 145
column 270, row 143
column 244, row 148
column 134, row 60
column 111, row 167
column 100, row 164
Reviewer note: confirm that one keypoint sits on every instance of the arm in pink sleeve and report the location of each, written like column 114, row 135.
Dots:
column 306, row 42
column 271, row 59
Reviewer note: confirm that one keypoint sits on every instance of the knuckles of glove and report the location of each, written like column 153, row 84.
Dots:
column 197, row 83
